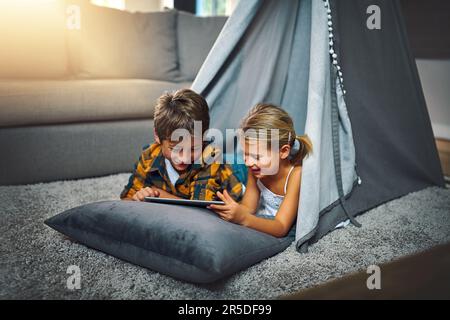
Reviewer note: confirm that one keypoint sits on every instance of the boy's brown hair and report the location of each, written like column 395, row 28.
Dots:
column 179, row 110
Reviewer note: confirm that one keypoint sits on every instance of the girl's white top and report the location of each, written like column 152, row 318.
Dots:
column 269, row 202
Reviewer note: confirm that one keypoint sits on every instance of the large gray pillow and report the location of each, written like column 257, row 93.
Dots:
column 196, row 36
column 118, row 44
column 187, row 243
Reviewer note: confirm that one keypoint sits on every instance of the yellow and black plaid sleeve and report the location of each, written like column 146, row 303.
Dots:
column 213, row 178
column 231, row 183
column 137, row 179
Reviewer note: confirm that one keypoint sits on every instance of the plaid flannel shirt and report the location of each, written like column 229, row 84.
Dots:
column 199, row 182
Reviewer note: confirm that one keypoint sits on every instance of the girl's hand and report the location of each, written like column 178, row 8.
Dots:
column 230, row 211
column 146, row 192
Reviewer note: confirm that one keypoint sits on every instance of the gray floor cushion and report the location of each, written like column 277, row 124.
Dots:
column 187, row 243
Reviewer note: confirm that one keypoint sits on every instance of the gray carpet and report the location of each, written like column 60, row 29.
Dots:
column 34, row 258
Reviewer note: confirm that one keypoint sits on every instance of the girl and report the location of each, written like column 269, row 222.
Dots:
column 270, row 202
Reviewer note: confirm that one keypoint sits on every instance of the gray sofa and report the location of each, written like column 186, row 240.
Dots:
column 79, row 103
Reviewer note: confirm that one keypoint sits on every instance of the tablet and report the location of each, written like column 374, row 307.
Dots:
column 184, row 202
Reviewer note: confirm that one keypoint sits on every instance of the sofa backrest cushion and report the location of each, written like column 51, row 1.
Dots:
column 119, row 44
column 195, row 36
column 32, row 39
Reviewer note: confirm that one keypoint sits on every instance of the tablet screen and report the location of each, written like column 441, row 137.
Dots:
column 185, row 202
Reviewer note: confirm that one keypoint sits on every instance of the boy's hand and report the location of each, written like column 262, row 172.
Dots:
column 230, row 211
column 165, row 194
column 146, row 192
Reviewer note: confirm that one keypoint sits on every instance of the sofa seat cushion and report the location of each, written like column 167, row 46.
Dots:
column 29, row 102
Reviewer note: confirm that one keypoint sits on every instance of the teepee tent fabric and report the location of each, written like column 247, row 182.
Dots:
column 372, row 138
column 395, row 149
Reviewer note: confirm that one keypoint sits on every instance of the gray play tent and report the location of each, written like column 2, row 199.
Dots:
column 353, row 89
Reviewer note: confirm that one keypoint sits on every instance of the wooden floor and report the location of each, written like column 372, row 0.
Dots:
column 425, row 275
column 443, row 147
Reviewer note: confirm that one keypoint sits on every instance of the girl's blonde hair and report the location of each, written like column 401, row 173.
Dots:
column 267, row 117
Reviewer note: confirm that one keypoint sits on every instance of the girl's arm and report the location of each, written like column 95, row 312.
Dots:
column 287, row 213
column 236, row 211
column 251, row 196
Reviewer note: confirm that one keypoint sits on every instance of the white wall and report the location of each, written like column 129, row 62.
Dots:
column 143, row 5
column 132, row 5
column 435, row 78
column 157, row 5
column 231, row 5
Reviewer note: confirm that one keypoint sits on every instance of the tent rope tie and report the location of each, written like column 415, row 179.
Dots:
column 351, row 217
column 336, row 145
column 336, row 150
column 336, row 73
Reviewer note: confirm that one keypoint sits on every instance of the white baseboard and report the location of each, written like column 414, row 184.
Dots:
column 441, row 131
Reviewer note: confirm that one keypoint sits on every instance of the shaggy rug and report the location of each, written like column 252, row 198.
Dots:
column 35, row 259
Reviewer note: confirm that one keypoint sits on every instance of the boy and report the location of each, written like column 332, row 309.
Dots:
column 166, row 170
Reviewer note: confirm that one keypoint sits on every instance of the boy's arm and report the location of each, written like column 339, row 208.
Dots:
column 231, row 183
column 136, row 181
